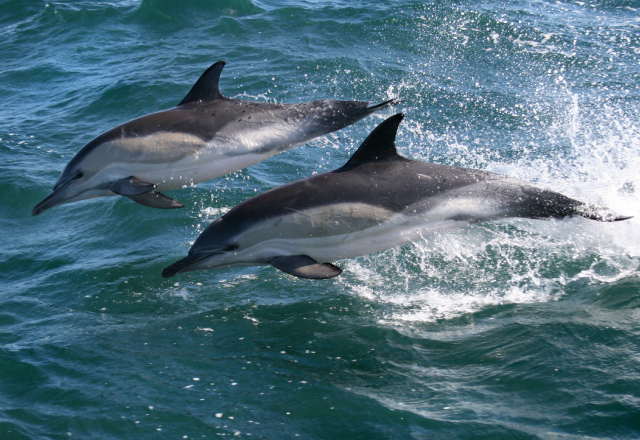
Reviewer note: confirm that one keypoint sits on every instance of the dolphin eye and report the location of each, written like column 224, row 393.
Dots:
column 77, row 176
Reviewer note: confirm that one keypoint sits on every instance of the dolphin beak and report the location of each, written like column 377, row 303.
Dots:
column 183, row 265
column 55, row 199
column 190, row 262
column 58, row 197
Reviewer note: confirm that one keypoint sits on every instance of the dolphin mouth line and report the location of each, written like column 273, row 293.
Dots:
column 49, row 201
column 189, row 260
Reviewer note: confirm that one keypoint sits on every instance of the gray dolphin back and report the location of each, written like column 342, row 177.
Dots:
column 376, row 184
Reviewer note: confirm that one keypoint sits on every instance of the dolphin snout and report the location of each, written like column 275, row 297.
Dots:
column 54, row 199
column 61, row 194
column 183, row 265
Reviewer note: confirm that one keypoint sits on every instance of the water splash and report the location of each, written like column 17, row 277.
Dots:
column 519, row 261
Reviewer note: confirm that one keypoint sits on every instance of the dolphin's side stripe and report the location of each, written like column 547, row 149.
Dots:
column 206, row 136
column 376, row 201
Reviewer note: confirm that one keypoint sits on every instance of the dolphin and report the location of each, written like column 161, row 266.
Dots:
column 376, row 201
column 204, row 137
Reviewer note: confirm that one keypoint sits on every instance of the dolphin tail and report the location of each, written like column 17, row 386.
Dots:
column 600, row 213
column 528, row 201
column 391, row 102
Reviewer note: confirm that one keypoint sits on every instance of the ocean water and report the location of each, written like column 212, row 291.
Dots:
column 517, row 329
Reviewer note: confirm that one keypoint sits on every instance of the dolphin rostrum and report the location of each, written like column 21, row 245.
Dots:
column 204, row 137
column 376, row 201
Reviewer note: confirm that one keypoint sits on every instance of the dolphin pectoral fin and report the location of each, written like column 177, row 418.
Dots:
column 130, row 186
column 303, row 266
column 156, row 200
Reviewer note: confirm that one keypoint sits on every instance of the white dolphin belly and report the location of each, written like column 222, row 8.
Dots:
column 376, row 201
column 342, row 231
column 350, row 245
column 175, row 160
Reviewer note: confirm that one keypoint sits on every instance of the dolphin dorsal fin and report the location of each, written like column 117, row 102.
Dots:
column 379, row 145
column 206, row 88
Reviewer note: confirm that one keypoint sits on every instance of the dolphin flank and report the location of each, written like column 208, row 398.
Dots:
column 376, row 201
column 204, row 137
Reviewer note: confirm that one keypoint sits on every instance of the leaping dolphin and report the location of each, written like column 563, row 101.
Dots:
column 206, row 136
column 376, row 201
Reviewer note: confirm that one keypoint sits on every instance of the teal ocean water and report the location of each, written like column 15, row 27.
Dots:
column 517, row 329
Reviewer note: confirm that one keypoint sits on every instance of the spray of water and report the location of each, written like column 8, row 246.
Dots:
column 517, row 260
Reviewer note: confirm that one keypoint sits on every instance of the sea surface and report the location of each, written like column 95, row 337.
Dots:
column 516, row 329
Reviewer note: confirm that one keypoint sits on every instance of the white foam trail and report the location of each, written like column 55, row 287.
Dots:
column 519, row 261
column 210, row 213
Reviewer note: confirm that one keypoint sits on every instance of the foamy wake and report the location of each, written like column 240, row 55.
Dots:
column 520, row 261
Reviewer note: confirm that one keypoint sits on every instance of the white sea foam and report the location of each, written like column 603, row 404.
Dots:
column 213, row 213
column 517, row 260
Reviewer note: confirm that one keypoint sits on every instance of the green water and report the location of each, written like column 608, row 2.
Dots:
column 514, row 329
